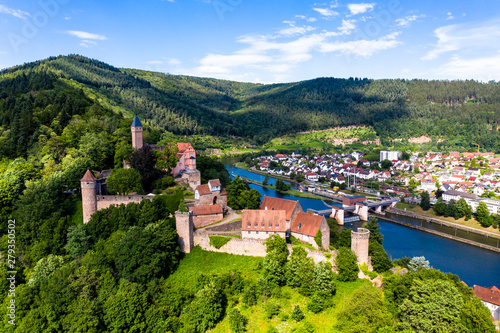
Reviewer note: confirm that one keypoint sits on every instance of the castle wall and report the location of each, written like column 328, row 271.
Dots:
column 263, row 235
column 208, row 199
column 203, row 220
column 359, row 244
column 325, row 234
column 105, row 201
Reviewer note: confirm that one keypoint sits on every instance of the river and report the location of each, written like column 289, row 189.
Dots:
column 472, row 264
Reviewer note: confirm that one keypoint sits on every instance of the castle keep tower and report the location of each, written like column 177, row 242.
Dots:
column 359, row 244
column 89, row 191
column 136, row 133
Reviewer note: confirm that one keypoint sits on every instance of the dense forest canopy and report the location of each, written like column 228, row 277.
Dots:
column 39, row 100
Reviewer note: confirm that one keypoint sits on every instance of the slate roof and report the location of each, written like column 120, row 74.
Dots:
column 279, row 204
column 88, row 177
column 490, row 295
column 306, row 224
column 136, row 122
column 206, row 210
column 263, row 220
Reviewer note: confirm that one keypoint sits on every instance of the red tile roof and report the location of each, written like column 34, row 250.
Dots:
column 203, row 189
column 88, row 177
column 206, row 210
column 183, row 147
column 490, row 295
column 265, row 220
column 306, row 224
column 214, row 182
column 279, row 204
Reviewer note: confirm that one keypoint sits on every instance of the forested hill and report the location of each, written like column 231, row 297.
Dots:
column 39, row 100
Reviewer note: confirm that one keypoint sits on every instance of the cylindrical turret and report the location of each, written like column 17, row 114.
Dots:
column 89, row 191
column 360, row 241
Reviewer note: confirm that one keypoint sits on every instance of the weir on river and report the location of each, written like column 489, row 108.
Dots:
column 472, row 264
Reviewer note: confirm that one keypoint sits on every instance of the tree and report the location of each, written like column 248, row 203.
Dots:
column 476, row 318
column 347, row 265
column 249, row 199
column 432, row 306
column 44, row 269
column 440, row 206
column 345, row 238
column 363, row 311
column 98, row 148
column 123, row 150
column 418, row 263
column 482, row 214
column 299, row 270
column 167, row 158
column 234, row 190
column 275, row 260
column 124, row 181
column 297, row 313
column 282, row 186
column 205, row 311
column 78, row 241
column 322, row 283
column 145, row 253
column 266, row 180
column 380, row 259
column 237, row 322
column 375, row 234
column 144, row 161
column 385, row 164
column 425, row 202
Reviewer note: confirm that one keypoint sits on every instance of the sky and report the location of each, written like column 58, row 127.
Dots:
column 263, row 41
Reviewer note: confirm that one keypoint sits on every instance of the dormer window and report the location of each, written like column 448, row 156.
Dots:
column 263, row 225
column 256, row 225
column 249, row 225
column 277, row 225
column 299, row 226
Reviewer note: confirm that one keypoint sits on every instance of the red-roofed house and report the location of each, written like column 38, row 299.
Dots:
column 187, row 158
column 490, row 298
column 306, row 226
column 210, row 194
column 291, row 207
column 204, row 215
column 261, row 224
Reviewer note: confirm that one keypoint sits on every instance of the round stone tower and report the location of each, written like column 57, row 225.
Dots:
column 136, row 129
column 359, row 244
column 89, row 191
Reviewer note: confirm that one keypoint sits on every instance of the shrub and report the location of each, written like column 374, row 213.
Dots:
column 297, row 313
column 218, row 241
column 272, row 310
column 237, row 322
column 364, row 269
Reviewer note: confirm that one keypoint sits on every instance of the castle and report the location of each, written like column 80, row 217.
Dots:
column 186, row 166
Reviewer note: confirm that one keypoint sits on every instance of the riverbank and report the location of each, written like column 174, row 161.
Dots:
column 437, row 233
column 293, row 192
column 471, row 224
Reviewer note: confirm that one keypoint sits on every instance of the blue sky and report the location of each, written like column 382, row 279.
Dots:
column 263, row 41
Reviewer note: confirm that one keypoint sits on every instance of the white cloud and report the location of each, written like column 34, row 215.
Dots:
column 347, row 27
column 405, row 22
column 154, row 62
column 326, row 12
column 87, row 43
column 14, row 12
column 450, row 16
column 473, row 38
column 173, row 61
column 360, row 8
column 308, row 19
column 483, row 69
column 362, row 48
column 86, row 35
column 294, row 31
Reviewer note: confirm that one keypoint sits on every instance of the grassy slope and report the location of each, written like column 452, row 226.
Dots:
column 198, row 261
